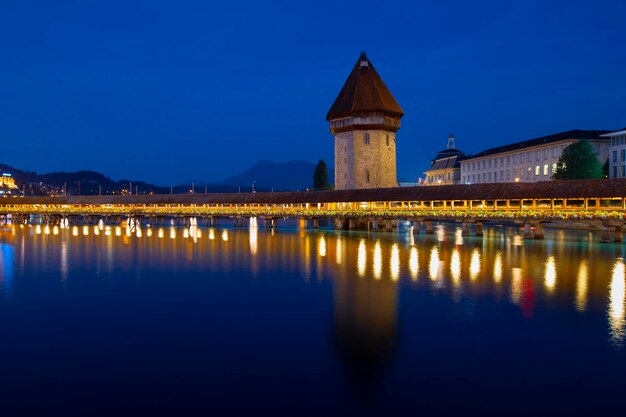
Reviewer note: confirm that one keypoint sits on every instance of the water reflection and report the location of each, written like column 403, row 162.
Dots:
column 550, row 274
column 378, row 261
column 414, row 263
column 581, row 286
column 584, row 281
column 617, row 295
column 434, row 266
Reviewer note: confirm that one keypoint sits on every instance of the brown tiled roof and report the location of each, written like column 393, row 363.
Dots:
column 570, row 134
column 604, row 188
column 364, row 92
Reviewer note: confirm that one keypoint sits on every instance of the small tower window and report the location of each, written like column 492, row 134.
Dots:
column 367, row 176
column 366, row 139
column 387, row 138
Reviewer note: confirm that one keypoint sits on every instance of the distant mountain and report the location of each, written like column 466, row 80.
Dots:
column 281, row 176
column 266, row 175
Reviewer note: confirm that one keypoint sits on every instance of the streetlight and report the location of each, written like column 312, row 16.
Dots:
column 253, row 186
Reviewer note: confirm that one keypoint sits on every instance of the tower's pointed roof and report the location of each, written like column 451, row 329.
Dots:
column 363, row 92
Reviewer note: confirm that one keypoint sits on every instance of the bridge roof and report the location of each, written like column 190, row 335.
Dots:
column 605, row 188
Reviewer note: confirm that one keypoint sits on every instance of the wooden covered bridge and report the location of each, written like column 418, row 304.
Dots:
column 599, row 201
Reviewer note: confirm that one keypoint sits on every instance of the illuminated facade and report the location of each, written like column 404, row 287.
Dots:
column 528, row 161
column 617, row 154
column 364, row 120
column 7, row 182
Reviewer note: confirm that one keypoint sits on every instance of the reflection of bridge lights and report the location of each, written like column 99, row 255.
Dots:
column 322, row 246
column 617, row 294
column 138, row 233
column 395, row 262
column 185, row 233
column 85, row 230
column 225, row 235
column 75, row 231
column 55, row 230
column 378, row 260
column 172, row 233
column 414, row 263
column 458, row 236
column 38, row 229
column 338, row 251
column 253, row 237
column 361, row 258
column 550, row 274
column 455, row 267
column 211, row 234
column 475, row 264
column 497, row 268
column 46, row 230
column 161, row 233
column 128, row 231
column 96, row 231
column 118, row 231
column 581, row 286
column 434, row 264
column 516, row 285
column 149, row 233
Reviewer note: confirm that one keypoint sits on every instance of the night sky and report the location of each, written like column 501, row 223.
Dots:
column 195, row 90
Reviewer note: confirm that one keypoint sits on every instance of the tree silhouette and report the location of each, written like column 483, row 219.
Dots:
column 320, row 176
column 578, row 161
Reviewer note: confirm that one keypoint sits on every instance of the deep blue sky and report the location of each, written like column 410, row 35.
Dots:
column 172, row 91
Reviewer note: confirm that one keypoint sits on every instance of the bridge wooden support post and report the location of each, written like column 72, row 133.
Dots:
column 351, row 224
column 618, row 237
column 538, row 233
column 479, row 228
column 338, row 223
column 373, row 224
column 465, row 229
column 429, row 227
column 416, row 227
column 302, row 223
column 528, row 233
column 316, row 223
column 605, row 236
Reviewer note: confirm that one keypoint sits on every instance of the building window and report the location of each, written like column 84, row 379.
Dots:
column 366, row 139
column 614, row 172
column 623, row 171
column 495, row 176
column 546, row 167
column 554, row 168
column 367, row 176
column 537, row 168
column 623, row 154
column 614, row 156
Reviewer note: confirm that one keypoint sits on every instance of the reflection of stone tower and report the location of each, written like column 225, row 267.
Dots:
column 364, row 119
column 365, row 327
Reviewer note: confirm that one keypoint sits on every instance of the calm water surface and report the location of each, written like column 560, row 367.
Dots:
column 171, row 321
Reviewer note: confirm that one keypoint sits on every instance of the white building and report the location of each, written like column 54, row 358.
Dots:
column 617, row 154
column 528, row 161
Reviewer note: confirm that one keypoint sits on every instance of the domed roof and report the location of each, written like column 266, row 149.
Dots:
column 448, row 152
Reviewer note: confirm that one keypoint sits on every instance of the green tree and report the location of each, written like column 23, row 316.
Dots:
column 320, row 176
column 577, row 162
column 605, row 169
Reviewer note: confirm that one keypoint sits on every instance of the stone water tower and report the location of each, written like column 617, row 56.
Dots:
column 364, row 120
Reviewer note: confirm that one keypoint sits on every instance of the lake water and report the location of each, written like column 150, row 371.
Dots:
column 216, row 321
